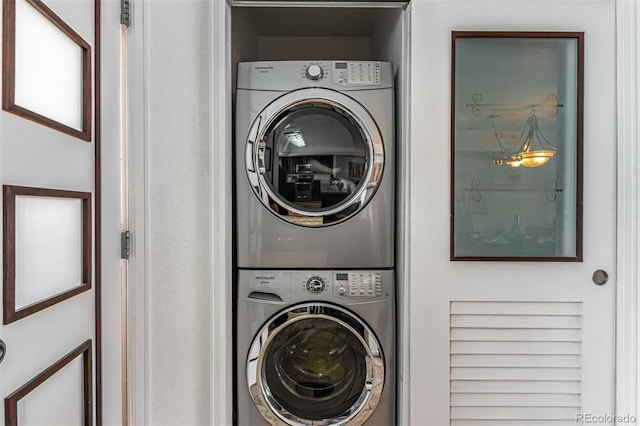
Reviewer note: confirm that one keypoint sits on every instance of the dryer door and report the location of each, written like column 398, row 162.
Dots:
column 314, row 157
column 315, row 364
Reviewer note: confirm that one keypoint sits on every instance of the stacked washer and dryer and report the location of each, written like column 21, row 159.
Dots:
column 315, row 308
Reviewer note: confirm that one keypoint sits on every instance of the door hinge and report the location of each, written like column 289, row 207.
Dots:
column 125, row 245
column 125, row 15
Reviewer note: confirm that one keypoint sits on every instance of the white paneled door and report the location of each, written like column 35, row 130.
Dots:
column 510, row 326
column 49, row 170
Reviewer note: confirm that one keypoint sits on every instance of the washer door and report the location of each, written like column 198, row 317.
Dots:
column 314, row 157
column 315, row 364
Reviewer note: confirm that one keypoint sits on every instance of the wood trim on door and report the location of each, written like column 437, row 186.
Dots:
column 97, row 188
column 10, row 314
column 90, row 112
column 579, row 37
column 11, row 401
column 9, row 70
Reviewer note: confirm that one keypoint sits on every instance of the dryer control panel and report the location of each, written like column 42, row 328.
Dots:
column 358, row 284
column 339, row 74
column 349, row 73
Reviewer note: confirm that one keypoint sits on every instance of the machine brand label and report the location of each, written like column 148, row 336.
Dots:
column 264, row 68
column 265, row 278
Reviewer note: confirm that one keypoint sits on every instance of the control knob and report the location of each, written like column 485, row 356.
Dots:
column 315, row 285
column 314, row 72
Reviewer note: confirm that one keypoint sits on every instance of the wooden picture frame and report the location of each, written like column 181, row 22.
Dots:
column 85, row 351
column 10, row 312
column 9, row 70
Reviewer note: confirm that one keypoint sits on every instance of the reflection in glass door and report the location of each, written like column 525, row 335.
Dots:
column 517, row 146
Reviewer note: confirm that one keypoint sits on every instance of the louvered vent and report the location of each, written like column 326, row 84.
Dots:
column 515, row 363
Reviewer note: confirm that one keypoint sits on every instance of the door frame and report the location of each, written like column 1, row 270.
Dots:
column 221, row 405
column 627, row 398
column 109, row 293
column 628, row 194
column 136, row 312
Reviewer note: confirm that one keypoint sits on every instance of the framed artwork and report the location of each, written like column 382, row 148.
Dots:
column 516, row 146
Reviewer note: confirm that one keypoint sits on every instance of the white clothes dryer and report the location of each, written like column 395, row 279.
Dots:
column 315, row 347
column 314, row 149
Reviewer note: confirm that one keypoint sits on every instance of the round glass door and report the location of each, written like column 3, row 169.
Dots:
column 320, row 366
column 314, row 157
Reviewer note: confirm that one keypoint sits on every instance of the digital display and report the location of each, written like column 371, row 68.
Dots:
column 342, row 277
column 341, row 65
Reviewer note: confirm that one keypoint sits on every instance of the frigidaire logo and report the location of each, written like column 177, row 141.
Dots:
column 265, row 278
column 264, row 68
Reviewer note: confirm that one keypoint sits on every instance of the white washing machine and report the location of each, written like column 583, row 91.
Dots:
column 315, row 164
column 315, row 347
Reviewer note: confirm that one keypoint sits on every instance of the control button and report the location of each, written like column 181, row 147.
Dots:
column 315, row 285
column 314, row 72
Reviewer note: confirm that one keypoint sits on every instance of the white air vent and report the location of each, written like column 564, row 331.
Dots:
column 515, row 363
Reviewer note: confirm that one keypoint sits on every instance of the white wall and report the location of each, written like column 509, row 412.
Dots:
column 176, row 228
column 176, row 215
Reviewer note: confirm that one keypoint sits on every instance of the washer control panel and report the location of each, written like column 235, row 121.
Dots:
column 313, row 283
column 353, row 285
column 358, row 284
